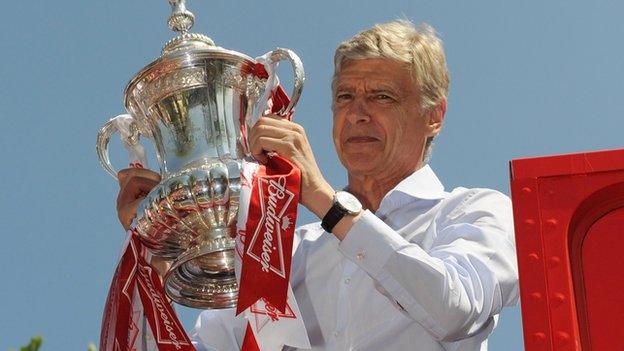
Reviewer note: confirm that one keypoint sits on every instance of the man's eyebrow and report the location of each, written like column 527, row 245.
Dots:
column 382, row 90
column 343, row 87
column 375, row 89
column 386, row 90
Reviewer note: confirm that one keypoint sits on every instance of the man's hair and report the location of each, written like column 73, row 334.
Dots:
column 417, row 46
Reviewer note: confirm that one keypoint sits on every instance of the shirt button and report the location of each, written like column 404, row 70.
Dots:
column 347, row 280
column 360, row 256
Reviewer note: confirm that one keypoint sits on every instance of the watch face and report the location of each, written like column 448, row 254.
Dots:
column 348, row 202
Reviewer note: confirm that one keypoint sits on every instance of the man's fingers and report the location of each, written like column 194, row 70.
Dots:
column 286, row 131
column 128, row 173
column 263, row 131
column 134, row 185
column 134, row 188
column 268, row 144
column 261, row 157
column 280, row 122
column 127, row 212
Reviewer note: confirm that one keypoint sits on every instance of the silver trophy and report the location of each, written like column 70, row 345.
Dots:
column 195, row 103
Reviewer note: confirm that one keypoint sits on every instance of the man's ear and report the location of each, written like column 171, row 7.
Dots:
column 436, row 118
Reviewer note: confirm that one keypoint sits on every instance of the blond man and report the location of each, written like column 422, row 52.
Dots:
column 396, row 262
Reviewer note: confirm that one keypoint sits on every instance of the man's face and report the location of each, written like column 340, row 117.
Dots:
column 379, row 127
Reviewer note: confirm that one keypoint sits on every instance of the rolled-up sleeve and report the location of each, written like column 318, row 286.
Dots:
column 458, row 282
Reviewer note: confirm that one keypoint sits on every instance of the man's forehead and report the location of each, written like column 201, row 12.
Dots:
column 373, row 73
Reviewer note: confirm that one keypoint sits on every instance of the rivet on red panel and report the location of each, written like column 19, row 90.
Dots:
column 534, row 257
column 526, row 190
column 551, row 223
column 529, row 222
column 553, row 261
column 538, row 337
column 558, row 299
column 536, row 296
column 562, row 338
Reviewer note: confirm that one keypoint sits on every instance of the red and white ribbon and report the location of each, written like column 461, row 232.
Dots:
column 136, row 294
column 266, row 225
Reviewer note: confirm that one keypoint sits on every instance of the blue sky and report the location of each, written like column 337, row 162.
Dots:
column 527, row 78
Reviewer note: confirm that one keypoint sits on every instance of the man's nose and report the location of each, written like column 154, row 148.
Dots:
column 358, row 111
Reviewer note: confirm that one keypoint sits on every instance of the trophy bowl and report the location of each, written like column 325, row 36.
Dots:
column 195, row 103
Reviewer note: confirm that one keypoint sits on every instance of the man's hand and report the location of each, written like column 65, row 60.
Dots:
column 134, row 185
column 288, row 139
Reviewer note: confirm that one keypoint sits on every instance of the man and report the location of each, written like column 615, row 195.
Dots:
column 419, row 268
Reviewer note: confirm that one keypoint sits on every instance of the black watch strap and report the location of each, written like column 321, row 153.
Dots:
column 332, row 217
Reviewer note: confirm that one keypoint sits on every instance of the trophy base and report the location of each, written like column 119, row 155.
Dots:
column 203, row 277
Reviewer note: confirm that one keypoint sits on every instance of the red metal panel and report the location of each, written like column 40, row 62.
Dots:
column 557, row 200
column 604, row 281
column 569, row 164
column 595, row 239
column 535, row 321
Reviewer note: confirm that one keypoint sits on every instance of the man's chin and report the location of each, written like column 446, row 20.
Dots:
column 361, row 169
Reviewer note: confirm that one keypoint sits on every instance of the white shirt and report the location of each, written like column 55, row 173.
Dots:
column 430, row 270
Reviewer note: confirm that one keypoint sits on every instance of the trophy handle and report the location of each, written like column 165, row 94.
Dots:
column 103, row 138
column 281, row 54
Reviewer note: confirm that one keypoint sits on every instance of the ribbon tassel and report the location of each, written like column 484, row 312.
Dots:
column 122, row 327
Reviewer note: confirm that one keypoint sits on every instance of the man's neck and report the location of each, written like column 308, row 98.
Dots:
column 370, row 190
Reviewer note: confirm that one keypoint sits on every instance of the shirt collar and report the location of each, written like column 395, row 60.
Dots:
column 422, row 184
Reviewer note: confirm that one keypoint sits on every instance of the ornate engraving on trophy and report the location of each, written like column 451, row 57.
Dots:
column 172, row 81
column 254, row 86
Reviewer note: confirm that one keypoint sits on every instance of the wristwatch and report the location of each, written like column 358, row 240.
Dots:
column 345, row 204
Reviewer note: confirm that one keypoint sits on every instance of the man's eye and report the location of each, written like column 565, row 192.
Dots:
column 343, row 97
column 383, row 97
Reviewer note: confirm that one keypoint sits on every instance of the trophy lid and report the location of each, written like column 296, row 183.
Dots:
column 183, row 64
column 181, row 20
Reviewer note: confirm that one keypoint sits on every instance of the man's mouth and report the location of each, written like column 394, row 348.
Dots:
column 361, row 139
